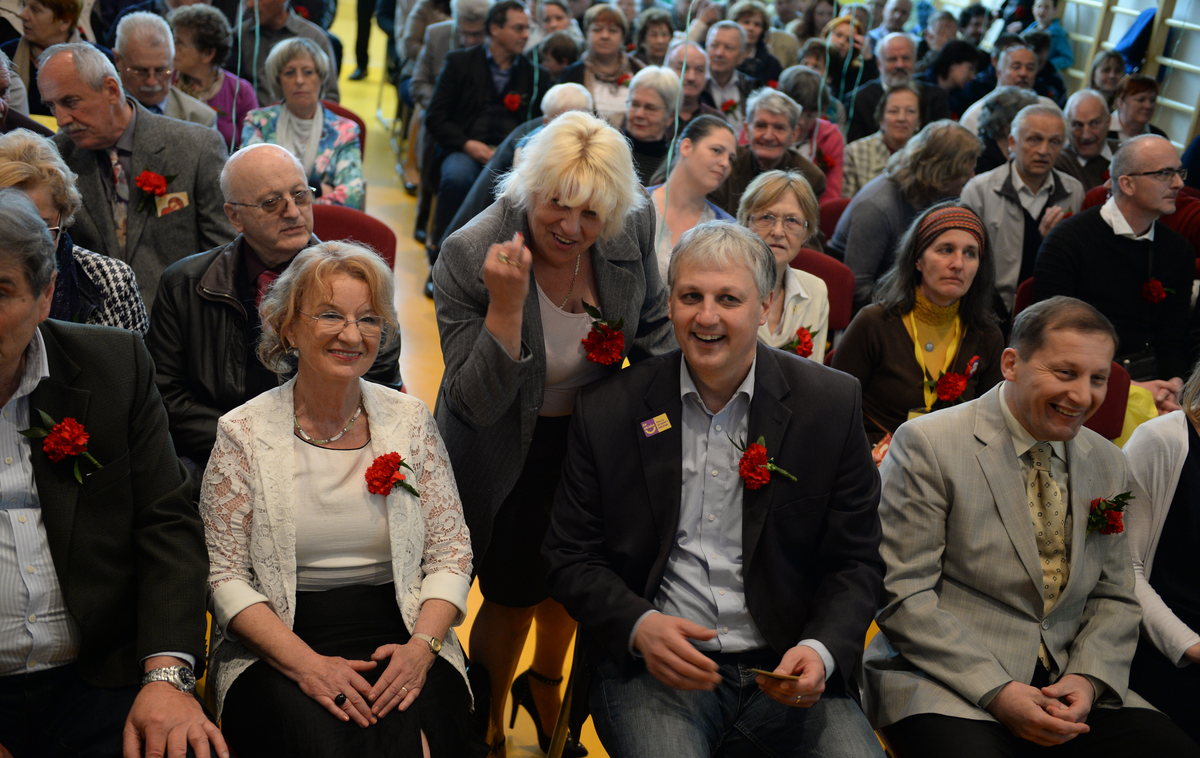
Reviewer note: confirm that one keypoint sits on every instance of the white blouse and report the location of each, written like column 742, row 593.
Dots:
column 567, row 364
column 341, row 528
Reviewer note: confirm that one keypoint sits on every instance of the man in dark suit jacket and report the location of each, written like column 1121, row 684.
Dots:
column 684, row 576
column 481, row 95
column 102, row 557
column 95, row 117
column 897, row 56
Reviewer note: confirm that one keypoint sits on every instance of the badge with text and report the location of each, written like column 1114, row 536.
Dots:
column 655, row 425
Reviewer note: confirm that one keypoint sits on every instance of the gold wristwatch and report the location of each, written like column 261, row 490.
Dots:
column 435, row 644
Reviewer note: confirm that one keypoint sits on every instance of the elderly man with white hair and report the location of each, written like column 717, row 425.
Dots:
column 897, row 55
column 1087, row 155
column 772, row 122
column 149, row 183
column 145, row 56
column 1021, row 201
column 728, row 89
column 690, row 63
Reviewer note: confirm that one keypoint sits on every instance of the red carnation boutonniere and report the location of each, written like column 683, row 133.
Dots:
column 823, row 161
column 302, row 12
column 605, row 342
column 729, row 105
column 630, row 47
column 384, row 474
column 773, row 84
column 951, row 385
column 66, row 438
column 1107, row 514
column 1154, row 292
column 623, row 79
column 512, row 101
column 154, row 185
column 802, row 345
column 755, row 467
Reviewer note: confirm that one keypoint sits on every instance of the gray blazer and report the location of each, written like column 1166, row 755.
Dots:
column 439, row 40
column 192, row 154
column 963, row 603
column 184, row 107
column 488, row 403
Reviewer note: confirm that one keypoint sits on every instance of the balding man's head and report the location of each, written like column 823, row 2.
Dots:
column 268, row 175
column 1145, row 175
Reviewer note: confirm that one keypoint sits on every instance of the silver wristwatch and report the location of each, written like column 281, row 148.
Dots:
column 180, row 676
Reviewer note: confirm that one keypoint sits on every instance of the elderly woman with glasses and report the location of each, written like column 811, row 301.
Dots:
column 44, row 23
column 90, row 288
column 649, row 117
column 545, row 292
column 327, row 145
column 780, row 207
column 340, row 559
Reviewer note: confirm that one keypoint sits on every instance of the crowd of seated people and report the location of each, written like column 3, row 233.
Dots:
column 677, row 424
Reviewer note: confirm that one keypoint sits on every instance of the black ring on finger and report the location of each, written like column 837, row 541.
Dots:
column 340, row 700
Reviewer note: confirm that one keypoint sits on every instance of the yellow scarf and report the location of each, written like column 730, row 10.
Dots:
column 943, row 328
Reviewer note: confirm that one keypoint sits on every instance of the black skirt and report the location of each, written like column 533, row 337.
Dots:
column 266, row 714
column 513, row 572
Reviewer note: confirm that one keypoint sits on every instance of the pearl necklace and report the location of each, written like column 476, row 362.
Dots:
column 336, row 437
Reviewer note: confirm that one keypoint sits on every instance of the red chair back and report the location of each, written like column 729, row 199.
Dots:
column 347, row 113
column 831, row 211
column 337, row 222
column 837, row 277
column 1024, row 297
column 1109, row 418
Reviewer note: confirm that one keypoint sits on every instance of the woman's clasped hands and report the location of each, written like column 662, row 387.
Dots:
column 337, row 683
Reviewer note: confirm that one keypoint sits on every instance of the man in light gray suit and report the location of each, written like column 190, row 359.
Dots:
column 110, row 142
column 1008, row 624
column 144, row 55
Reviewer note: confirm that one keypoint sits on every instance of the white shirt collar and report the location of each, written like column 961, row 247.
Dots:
column 1023, row 188
column 1114, row 218
column 1022, row 440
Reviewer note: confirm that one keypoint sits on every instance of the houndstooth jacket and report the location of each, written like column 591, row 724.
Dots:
column 122, row 305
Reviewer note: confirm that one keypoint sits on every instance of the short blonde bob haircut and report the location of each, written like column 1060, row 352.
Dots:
column 288, row 50
column 577, row 160
column 306, row 279
column 29, row 161
column 771, row 186
column 937, row 156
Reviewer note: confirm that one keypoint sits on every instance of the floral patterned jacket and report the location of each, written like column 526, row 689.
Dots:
column 339, row 157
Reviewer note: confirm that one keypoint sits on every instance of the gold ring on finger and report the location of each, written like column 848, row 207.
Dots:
column 404, row 689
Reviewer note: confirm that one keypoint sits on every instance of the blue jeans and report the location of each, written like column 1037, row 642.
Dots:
column 642, row 717
column 459, row 172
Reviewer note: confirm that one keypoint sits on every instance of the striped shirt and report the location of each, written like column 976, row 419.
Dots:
column 36, row 632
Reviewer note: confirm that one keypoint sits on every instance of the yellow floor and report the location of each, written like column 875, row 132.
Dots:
column 421, row 356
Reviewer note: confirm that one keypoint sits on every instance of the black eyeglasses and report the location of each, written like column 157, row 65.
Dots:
column 1166, row 174
column 302, row 198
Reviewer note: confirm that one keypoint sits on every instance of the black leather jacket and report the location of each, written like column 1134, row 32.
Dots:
column 198, row 340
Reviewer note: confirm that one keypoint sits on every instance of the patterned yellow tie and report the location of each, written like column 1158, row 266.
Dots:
column 1049, row 515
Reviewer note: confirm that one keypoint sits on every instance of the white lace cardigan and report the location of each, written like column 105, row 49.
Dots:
column 247, row 499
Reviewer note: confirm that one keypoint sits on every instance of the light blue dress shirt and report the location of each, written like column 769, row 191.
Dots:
column 703, row 580
column 36, row 632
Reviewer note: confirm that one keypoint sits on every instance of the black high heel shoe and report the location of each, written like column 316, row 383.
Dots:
column 522, row 695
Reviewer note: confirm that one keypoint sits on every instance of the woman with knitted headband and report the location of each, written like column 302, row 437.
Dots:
column 930, row 339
